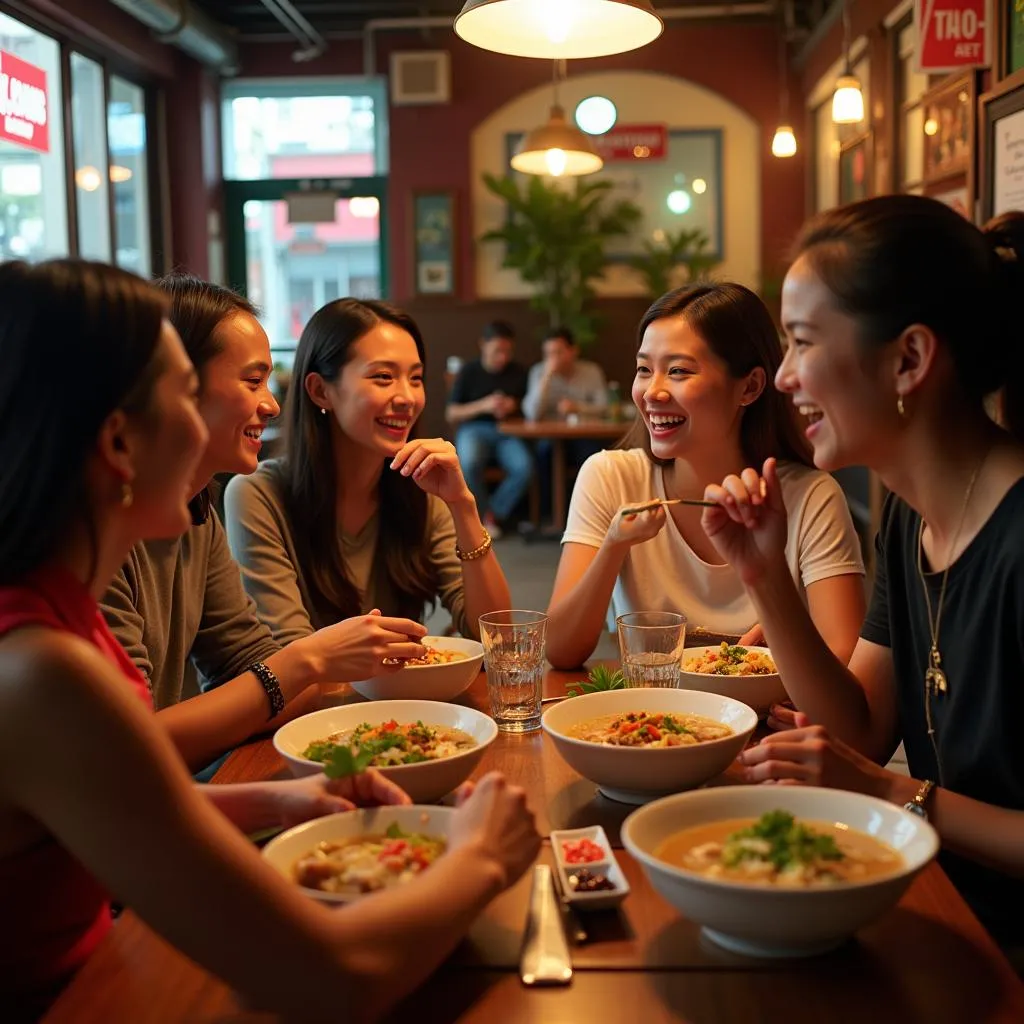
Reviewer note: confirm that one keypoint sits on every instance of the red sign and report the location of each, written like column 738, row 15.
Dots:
column 24, row 112
column 952, row 34
column 633, row 142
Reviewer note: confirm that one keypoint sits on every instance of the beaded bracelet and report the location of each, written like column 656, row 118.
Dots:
column 478, row 552
column 271, row 687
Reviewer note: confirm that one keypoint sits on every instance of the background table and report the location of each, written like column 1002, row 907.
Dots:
column 558, row 432
column 928, row 960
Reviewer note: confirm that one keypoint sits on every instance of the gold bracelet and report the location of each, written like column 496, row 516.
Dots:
column 478, row 552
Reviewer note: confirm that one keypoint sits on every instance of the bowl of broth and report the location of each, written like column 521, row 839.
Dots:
column 643, row 742
column 427, row 747
column 779, row 871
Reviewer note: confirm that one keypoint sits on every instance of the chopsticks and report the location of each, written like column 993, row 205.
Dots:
column 635, row 510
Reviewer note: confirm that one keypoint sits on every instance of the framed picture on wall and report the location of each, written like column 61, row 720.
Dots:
column 1010, row 37
column 855, row 169
column 434, row 242
column 1002, row 150
column 948, row 128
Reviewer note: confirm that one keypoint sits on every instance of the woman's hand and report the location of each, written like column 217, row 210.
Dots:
column 434, row 465
column 748, row 528
column 754, row 637
column 808, row 756
column 356, row 648
column 299, row 800
column 494, row 820
column 635, row 529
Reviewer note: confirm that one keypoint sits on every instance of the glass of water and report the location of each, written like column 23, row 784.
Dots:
column 514, row 657
column 651, row 646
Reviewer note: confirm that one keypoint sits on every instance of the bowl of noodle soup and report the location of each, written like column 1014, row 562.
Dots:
column 779, row 871
column 448, row 669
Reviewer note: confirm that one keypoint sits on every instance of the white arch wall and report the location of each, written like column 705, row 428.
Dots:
column 642, row 98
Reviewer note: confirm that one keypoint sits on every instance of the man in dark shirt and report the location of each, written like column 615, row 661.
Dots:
column 488, row 390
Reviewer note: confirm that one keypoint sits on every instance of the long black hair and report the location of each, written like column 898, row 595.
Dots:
column 899, row 260
column 78, row 341
column 312, row 484
column 197, row 309
column 736, row 325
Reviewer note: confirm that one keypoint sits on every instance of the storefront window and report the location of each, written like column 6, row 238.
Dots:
column 90, row 146
column 334, row 128
column 33, row 185
column 129, row 175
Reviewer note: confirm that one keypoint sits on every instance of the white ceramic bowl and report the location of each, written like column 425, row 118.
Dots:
column 633, row 774
column 283, row 851
column 428, row 682
column 767, row 921
column 760, row 692
column 426, row 781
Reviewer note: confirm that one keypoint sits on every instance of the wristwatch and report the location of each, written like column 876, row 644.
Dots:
column 916, row 806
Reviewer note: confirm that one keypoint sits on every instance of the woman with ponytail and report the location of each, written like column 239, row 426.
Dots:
column 901, row 319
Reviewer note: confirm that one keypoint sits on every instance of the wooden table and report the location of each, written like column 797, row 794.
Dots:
column 558, row 432
column 928, row 960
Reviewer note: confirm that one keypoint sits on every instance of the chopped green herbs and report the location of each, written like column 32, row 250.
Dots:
column 777, row 838
column 600, row 678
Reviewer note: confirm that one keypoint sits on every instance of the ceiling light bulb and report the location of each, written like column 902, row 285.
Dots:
column 556, row 161
column 784, row 143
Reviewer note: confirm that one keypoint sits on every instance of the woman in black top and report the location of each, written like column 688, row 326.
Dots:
column 899, row 315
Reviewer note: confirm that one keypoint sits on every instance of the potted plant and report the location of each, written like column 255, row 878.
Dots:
column 676, row 258
column 556, row 238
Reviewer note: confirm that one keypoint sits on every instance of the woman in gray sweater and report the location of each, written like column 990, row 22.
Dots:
column 179, row 604
column 360, row 515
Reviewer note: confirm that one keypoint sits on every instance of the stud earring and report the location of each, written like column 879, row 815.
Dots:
column 900, row 407
column 127, row 495
column 323, row 411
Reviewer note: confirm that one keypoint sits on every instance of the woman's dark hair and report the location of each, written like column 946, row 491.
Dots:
column 1005, row 234
column 78, row 341
column 737, row 327
column 198, row 308
column 312, row 483
column 899, row 260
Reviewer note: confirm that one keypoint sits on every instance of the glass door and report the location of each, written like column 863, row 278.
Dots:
column 293, row 245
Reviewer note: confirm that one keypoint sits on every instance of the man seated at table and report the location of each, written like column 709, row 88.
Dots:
column 564, row 385
column 486, row 391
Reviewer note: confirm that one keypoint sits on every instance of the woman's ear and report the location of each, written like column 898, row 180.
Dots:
column 316, row 388
column 116, row 447
column 753, row 386
column 916, row 348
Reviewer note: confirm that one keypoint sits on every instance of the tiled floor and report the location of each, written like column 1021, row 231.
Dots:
column 530, row 570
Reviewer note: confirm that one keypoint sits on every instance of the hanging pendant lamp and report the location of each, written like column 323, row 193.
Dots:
column 558, row 29
column 557, row 148
column 784, row 141
column 848, row 99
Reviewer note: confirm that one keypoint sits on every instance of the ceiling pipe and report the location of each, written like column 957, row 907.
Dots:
column 185, row 26
column 311, row 42
column 696, row 11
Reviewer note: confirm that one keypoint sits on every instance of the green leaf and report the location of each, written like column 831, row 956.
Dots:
column 343, row 761
column 600, row 678
column 394, row 831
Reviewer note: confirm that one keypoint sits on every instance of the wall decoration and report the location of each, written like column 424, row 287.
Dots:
column 855, row 169
column 1002, row 150
column 679, row 187
column 434, row 241
column 948, row 128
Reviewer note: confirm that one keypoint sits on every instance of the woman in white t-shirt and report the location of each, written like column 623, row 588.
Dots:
column 706, row 358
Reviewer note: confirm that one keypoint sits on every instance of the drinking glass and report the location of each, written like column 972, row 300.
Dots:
column 651, row 647
column 514, row 658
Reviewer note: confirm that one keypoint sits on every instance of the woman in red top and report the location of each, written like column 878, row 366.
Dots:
column 101, row 439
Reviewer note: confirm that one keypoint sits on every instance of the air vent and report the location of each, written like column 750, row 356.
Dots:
column 420, row 77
